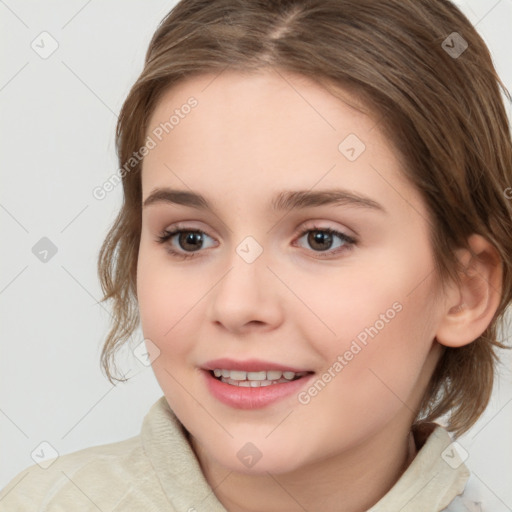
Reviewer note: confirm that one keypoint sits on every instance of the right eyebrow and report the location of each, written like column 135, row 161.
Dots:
column 173, row 196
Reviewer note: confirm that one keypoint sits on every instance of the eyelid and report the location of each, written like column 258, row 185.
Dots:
column 322, row 225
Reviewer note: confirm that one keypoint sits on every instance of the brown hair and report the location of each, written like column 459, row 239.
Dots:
column 441, row 109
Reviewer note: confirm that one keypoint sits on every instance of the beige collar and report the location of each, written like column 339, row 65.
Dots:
column 432, row 480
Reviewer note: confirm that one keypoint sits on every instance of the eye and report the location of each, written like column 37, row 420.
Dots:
column 321, row 239
column 189, row 240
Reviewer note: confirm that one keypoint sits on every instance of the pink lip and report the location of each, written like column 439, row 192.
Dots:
column 251, row 398
column 251, row 365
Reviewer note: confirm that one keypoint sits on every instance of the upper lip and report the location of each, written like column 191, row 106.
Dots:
column 249, row 365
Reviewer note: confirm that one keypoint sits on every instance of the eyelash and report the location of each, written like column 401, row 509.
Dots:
column 166, row 235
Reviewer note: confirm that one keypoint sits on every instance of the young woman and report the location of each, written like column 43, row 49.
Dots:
column 315, row 237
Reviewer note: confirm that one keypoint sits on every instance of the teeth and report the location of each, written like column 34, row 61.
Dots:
column 256, row 375
column 255, row 379
column 236, row 375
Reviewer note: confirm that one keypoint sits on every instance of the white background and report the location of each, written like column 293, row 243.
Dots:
column 57, row 132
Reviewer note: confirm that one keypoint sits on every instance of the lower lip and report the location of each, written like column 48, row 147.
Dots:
column 241, row 397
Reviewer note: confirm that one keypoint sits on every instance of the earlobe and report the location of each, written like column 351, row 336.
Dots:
column 470, row 307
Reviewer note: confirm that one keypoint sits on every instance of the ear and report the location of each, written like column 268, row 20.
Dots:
column 470, row 306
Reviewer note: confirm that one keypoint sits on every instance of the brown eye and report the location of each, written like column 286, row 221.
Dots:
column 321, row 240
column 190, row 240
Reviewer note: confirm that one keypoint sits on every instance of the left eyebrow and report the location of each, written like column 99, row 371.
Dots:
column 298, row 199
column 284, row 200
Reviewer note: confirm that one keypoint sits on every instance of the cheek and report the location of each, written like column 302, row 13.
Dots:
column 384, row 321
column 165, row 298
column 370, row 382
column 361, row 301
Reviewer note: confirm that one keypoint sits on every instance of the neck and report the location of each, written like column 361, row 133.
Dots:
column 358, row 478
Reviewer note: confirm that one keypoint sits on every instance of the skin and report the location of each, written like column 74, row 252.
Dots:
column 250, row 137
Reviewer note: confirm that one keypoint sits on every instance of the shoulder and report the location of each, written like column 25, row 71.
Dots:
column 94, row 475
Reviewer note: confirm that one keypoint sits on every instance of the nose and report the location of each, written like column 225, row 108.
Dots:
column 247, row 296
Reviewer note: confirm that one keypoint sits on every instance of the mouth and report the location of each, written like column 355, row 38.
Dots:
column 256, row 379
column 253, row 384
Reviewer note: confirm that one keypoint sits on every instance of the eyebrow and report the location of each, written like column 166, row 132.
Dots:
column 284, row 200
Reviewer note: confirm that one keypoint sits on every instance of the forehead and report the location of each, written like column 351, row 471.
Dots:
column 248, row 132
column 252, row 108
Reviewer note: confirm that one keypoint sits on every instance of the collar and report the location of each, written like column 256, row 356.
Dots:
column 432, row 480
column 165, row 442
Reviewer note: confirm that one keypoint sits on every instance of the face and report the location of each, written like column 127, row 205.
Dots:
column 290, row 328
